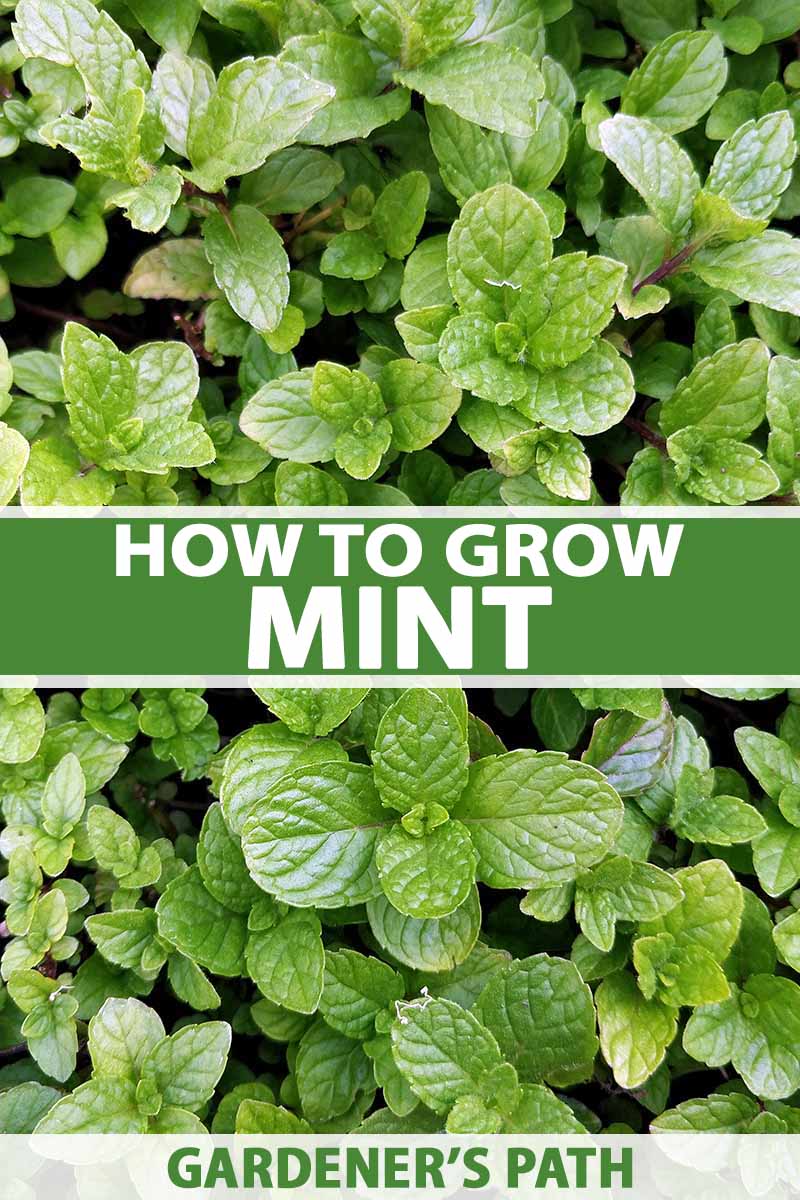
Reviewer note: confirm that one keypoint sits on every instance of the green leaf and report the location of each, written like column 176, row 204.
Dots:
column 36, row 205
column 172, row 28
column 510, row 83
column 427, row 875
column 175, row 268
column 121, row 1035
column 420, row 402
column 64, row 797
column 724, row 396
column 257, row 759
column 331, row 1070
column 399, row 213
column 132, row 411
column 221, row 864
column 415, row 30
column 233, row 136
column 100, row 1106
column 559, row 718
column 500, row 240
column 250, row 265
column 312, row 840
column 192, row 920
column 586, row 397
column 729, row 1112
column 635, row 1033
column 23, row 1106
column 354, row 254
column 580, row 293
column 311, row 710
column 292, row 181
column 287, row 962
column 148, row 206
column 537, row 819
column 721, row 471
column 678, row 955
column 650, row 22
column 783, row 414
column 753, row 169
column 126, row 937
column 631, row 751
column 678, row 81
column 420, row 749
column 356, row 990
column 763, row 270
column 443, row 1051
column 186, row 1067
column 281, row 419
column 787, row 939
column 656, row 166
column 775, row 853
column 701, row 816
column 542, row 1015
column 259, row 1117
column 22, row 725
column 14, row 454
column 428, row 944
column 757, row 1029
column 769, row 759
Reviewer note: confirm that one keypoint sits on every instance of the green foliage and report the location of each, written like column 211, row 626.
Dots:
column 488, row 232
column 362, row 911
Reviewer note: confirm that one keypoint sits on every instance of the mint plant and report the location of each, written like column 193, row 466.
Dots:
column 498, row 252
column 399, row 910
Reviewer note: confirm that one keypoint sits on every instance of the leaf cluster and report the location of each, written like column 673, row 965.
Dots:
column 343, row 252
column 360, row 910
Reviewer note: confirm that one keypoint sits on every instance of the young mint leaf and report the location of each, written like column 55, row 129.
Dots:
column 259, row 758
column 500, row 240
column 756, row 1029
column 783, row 416
column 420, row 748
column 426, row 869
column 701, row 816
column 761, row 269
column 221, row 863
column 331, row 1070
column 724, row 396
column 443, row 1051
column 193, row 921
column 635, row 1033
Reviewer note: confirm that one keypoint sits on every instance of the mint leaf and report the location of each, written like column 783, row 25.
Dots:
column 510, row 83
column 510, row 805
column 755, row 1029
column 542, row 1015
column 724, row 396
column 232, row 136
column 326, row 857
column 656, row 166
column 635, row 1033
column 250, row 265
column 678, row 81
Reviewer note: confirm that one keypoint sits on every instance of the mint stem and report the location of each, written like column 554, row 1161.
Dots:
column 667, row 268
